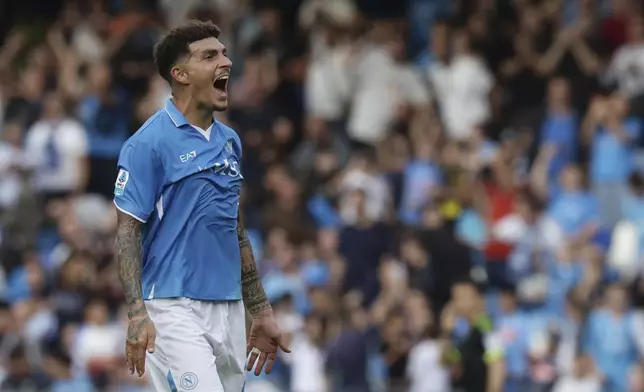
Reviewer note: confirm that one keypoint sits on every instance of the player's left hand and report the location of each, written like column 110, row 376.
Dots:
column 264, row 339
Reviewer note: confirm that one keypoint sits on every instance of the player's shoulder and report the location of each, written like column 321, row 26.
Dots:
column 228, row 130
column 151, row 132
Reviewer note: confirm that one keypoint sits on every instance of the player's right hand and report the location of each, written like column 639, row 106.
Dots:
column 141, row 335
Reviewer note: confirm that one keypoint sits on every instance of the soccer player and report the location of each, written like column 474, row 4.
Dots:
column 180, row 238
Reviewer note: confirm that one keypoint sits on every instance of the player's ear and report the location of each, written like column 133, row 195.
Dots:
column 179, row 74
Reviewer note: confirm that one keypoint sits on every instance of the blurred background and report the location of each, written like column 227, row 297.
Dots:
column 439, row 193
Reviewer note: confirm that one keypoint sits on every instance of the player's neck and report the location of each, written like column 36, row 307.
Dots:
column 195, row 115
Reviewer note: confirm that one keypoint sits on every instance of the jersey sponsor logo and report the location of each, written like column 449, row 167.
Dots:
column 189, row 381
column 188, row 156
column 226, row 168
column 121, row 181
column 229, row 146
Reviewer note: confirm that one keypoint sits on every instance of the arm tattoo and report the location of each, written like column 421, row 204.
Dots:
column 128, row 254
column 252, row 289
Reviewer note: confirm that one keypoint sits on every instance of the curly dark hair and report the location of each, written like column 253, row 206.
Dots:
column 174, row 45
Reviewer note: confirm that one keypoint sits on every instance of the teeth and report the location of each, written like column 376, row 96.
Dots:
column 223, row 78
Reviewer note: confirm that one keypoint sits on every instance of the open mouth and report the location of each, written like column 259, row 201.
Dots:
column 221, row 84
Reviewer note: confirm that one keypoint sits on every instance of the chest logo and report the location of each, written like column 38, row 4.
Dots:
column 188, row 156
column 229, row 146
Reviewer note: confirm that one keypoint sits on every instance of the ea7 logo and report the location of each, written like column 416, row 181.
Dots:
column 188, row 156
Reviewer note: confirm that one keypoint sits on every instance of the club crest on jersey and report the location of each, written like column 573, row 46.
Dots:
column 121, row 181
column 229, row 146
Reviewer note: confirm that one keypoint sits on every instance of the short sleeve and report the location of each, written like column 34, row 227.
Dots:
column 137, row 183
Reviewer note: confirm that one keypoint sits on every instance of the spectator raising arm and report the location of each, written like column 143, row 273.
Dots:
column 539, row 172
column 587, row 59
column 547, row 63
column 593, row 119
column 68, row 62
column 12, row 46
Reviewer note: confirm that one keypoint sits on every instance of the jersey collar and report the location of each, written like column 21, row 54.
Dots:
column 178, row 119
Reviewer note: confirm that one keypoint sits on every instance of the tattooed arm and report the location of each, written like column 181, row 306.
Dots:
column 265, row 336
column 141, row 333
column 128, row 252
column 252, row 290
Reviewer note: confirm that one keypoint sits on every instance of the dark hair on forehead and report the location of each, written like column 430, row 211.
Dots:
column 175, row 44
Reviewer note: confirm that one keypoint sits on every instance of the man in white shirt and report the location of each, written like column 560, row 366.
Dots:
column 328, row 80
column 462, row 88
column 307, row 361
column 627, row 65
column 425, row 370
column 583, row 379
column 361, row 177
column 56, row 146
column 383, row 86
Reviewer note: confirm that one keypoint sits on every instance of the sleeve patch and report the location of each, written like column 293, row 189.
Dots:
column 121, row 181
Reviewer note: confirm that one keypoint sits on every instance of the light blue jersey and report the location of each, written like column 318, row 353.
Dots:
column 184, row 184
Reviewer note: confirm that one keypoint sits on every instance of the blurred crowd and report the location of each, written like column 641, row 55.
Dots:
column 441, row 195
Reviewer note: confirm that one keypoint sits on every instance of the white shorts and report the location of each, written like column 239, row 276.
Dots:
column 200, row 345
